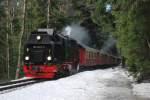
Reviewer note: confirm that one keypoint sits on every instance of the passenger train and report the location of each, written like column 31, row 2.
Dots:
column 48, row 54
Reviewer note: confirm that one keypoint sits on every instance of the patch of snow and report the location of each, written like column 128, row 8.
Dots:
column 106, row 84
column 142, row 90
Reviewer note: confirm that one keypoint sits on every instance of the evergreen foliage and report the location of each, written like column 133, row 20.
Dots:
column 129, row 23
column 132, row 31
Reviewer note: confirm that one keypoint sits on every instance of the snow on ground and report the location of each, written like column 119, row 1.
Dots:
column 142, row 90
column 107, row 84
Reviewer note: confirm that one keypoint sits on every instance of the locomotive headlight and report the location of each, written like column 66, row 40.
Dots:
column 49, row 58
column 27, row 58
column 38, row 37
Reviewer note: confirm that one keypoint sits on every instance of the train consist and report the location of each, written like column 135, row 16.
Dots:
column 47, row 54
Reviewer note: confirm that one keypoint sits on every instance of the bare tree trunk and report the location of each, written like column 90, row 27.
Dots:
column 48, row 12
column 7, row 36
column 148, row 42
column 21, row 37
column 8, row 66
column 12, row 18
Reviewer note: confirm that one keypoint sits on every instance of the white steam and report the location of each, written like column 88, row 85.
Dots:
column 68, row 30
column 109, row 45
column 77, row 32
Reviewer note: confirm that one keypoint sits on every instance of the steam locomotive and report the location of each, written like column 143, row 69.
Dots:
column 47, row 54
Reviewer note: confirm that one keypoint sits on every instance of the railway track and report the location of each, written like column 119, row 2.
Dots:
column 6, row 86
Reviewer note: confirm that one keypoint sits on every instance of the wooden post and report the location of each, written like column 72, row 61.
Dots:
column 148, row 42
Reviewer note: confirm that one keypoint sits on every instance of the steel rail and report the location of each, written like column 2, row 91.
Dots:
column 21, row 84
column 15, row 82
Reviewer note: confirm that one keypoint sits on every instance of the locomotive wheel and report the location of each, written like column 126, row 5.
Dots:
column 67, row 70
column 75, row 69
column 72, row 69
column 58, row 75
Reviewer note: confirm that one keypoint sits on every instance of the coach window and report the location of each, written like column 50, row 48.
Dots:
column 93, row 56
column 89, row 55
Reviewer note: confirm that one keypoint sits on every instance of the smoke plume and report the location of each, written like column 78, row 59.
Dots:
column 77, row 32
column 110, row 46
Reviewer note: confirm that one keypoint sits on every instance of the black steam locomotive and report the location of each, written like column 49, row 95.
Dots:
column 45, row 51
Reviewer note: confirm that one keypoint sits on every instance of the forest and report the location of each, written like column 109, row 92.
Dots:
column 127, row 22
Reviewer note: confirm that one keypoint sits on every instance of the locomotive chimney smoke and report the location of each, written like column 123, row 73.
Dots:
column 77, row 32
column 68, row 30
column 110, row 46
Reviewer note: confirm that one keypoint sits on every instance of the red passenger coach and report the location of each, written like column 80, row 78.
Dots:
column 93, row 57
column 88, row 56
column 82, row 56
